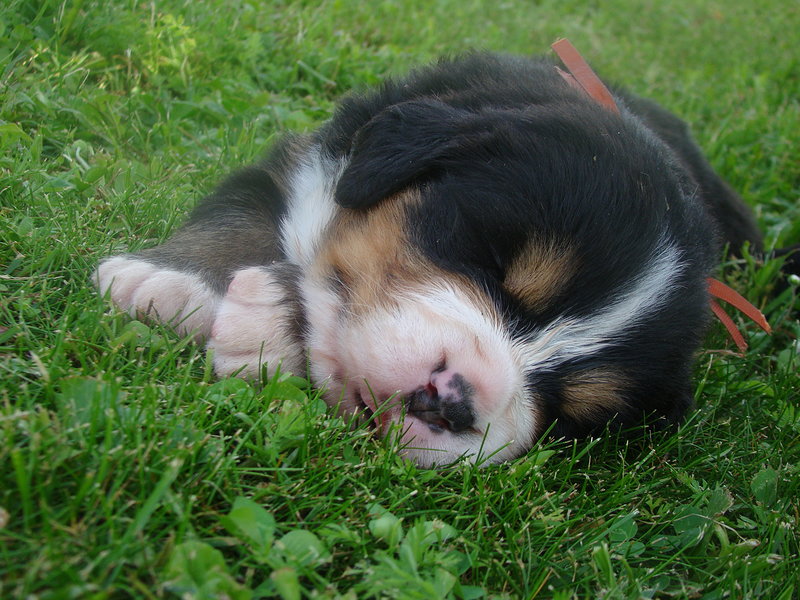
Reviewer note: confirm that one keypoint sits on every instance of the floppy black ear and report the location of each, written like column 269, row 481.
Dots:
column 402, row 144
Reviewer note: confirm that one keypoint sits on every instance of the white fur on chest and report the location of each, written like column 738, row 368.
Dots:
column 311, row 206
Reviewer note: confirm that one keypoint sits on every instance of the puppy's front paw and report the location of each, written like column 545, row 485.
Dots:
column 255, row 326
column 148, row 291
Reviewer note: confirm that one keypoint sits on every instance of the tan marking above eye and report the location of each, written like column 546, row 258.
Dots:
column 540, row 273
column 587, row 393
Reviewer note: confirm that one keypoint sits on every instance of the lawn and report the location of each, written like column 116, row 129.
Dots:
column 127, row 470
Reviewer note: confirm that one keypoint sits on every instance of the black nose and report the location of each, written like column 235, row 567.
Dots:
column 450, row 410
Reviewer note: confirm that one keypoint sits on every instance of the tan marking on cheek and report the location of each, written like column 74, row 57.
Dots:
column 590, row 393
column 540, row 273
column 369, row 254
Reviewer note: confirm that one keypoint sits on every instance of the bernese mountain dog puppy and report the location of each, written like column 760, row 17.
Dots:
column 470, row 256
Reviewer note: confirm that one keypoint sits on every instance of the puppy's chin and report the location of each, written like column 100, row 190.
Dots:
column 432, row 363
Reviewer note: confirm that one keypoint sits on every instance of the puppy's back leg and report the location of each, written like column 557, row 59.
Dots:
column 151, row 291
column 182, row 282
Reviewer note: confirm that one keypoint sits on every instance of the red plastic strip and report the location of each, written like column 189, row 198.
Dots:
column 719, row 290
column 734, row 332
column 582, row 73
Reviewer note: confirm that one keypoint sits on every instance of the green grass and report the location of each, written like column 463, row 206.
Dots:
column 127, row 471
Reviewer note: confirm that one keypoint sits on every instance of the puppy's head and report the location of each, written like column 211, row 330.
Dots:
column 493, row 270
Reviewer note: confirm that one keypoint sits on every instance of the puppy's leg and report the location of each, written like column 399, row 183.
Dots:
column 183, row 281
column 157, row 291
column 259, row 322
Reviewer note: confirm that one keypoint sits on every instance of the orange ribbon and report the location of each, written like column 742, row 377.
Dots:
column 719, row 290
column 581, row 76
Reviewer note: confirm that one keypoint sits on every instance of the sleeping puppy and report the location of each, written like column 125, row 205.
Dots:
column 471, row 255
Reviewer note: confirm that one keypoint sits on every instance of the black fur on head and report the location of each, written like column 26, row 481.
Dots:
column 560, row 168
